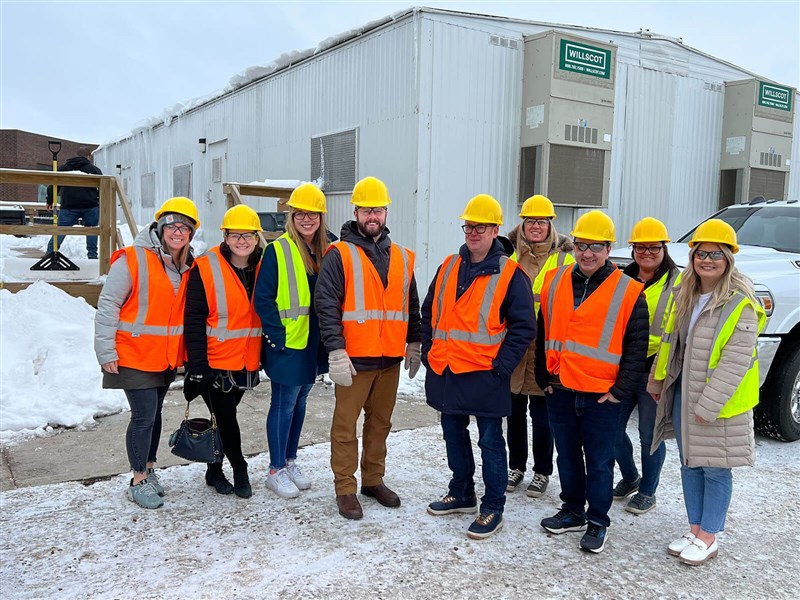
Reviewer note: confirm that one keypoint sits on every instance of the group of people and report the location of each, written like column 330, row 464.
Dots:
column 533, row 323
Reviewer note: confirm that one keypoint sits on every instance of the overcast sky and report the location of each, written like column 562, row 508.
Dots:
column 90, row 71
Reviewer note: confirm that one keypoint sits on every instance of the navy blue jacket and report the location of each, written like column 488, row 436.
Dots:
column 482, row 393
column 286, row 365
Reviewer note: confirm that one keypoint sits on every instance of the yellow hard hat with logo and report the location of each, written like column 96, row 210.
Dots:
column 649, row 230
column 483, row 209
column 370, row 192
column 308, row 197
column 180, row 205
column 537, row 207
column 715, row 231
column 241, row 217
column 595, row 225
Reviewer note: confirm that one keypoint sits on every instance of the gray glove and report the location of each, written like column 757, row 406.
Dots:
column 340, row 369
column 412, row 362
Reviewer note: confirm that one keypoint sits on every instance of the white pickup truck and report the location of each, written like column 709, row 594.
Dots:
column 768, row 232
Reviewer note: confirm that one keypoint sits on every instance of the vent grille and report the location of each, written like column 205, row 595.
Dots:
column 148, row 184
column 333, row 160
column 771, row 160
column 216, row 170
column 503, row 42
column 182, row 180
column 584, row 135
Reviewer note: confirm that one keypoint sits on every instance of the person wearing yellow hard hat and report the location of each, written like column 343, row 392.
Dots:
column 293, row 354
column 368, row 308
column 139, row 332
column 653, row 266
column 590, row 356
column 477, row 323
column 223, row 337
column 705, row 381
column 538, row 248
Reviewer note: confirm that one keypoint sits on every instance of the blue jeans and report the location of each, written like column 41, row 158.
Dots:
column 462, row 462
column 583, row 428
column 623, row 451
column 69, row 217
column 706, row 490
column 287, row 411
column 144, row 428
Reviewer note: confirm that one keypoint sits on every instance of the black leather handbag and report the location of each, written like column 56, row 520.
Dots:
column 197, row 439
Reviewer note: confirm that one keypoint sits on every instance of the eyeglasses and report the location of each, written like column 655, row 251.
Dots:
column 646, row 249
column 596, row 247
column 178, row 228
column 301, row 216
column 250, row 236
column 714, row 255
column 479, row 229
column 365, row 211
column 539, row 222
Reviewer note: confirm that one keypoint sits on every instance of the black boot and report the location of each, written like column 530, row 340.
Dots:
column 241, row 481
column 216, row 478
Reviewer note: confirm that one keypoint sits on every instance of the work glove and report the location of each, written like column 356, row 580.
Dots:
column 340, row 369
column 198, row 381
column 412, row 362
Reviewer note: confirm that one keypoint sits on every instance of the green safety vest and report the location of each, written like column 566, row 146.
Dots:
column 294, row 296
column 746, row 395
column 555, row 260
column 657, row 297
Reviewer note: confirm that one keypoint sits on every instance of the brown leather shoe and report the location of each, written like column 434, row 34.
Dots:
column 382, row 494
column 349, row 506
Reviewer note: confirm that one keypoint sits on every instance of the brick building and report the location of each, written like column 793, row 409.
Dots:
column 26, row 150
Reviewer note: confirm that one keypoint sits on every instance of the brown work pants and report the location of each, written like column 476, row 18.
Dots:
column 374, row 392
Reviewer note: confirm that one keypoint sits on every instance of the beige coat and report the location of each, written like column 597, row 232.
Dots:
column 717, row 442
column 531, row 257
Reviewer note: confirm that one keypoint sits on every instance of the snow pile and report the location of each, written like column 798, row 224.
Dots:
column 48, row 371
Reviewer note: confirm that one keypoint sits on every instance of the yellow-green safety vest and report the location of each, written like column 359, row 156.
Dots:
column 554, row 261
column 746, row 395
column 294, row 296
column 657, row 297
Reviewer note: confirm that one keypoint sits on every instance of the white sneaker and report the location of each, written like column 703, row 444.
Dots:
column 697, row 552
column 280, row 483
column 675, row 548
column 297, row 476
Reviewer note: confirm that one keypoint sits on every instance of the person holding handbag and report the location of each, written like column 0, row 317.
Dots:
column 705, row 381
column 293, row 355
column 223, row 337
column 138, row 339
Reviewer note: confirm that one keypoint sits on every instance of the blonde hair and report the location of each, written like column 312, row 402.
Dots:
column 731, row 281
column 552, row 234
column 319, row 244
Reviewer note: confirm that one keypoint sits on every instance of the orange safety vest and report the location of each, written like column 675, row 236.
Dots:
column 583, row 346
column 232, row 326
column 468, row 332
column 150, row 331
column 374, row 318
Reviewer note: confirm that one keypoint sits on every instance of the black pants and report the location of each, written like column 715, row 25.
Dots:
column 224, row 407
column 517, row 434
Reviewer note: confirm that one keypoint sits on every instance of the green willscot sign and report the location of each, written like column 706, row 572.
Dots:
column 585, row 59
column 774, row 96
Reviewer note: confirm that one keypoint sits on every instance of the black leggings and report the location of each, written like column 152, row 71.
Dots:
column 224, row 407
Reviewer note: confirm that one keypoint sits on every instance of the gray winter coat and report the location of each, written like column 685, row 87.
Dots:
column 717, row 442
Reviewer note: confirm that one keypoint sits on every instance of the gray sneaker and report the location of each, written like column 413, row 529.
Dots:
column 144, row 494
column 538, row 485
column 155, row 480
column 640, row 504
column 623, row 489
column 514, row 479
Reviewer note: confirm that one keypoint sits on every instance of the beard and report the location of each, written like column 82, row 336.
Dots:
column 363, row 230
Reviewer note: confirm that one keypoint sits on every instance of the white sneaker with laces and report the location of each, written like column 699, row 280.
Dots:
column 280, row 483
column 297, row 476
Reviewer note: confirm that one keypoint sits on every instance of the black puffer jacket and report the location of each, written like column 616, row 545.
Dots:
column 77, row 197
column 634, row 343
column 329, row 295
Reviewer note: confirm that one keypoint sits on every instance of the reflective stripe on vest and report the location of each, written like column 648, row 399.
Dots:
column 294, row 296
column 657, row 296
column 360, row 313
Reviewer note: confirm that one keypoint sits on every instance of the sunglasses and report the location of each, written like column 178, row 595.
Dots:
column 596, row 247
column 647, row 249
column 715, row 255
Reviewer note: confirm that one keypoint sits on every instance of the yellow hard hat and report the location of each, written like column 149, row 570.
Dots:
column 180, row 205
column 370, row 192
column 483, row 209
column 538, row 207
column 715, row 231
column 308, row 197
column 649, row 230
column 595, row 225
column 241, row 217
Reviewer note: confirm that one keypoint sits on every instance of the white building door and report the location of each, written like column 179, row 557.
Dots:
column 215, row 198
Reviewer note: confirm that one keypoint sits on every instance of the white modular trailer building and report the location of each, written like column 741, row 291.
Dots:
column 439, row 104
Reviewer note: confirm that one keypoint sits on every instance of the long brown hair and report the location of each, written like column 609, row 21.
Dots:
column 319, row 244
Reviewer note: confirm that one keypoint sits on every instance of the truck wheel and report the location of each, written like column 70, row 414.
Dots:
column 778, row 413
